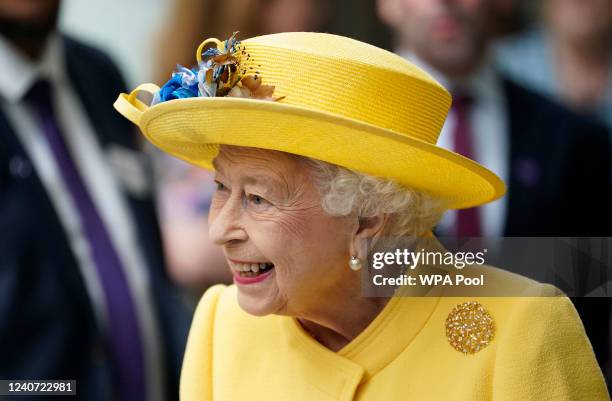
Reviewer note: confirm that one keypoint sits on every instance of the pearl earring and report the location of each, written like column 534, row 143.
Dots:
column 355, row 263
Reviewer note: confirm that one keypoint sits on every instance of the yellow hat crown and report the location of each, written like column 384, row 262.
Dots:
column 350, row 78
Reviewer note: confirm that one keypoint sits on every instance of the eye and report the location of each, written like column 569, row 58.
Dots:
column 220, row 186
column 257, row 200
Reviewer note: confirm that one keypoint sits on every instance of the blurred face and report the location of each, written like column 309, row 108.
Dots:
column 449, row 35
column 28, row 23
column 292, row 15
column 33, row 11
column 579, row 19
column 287, row 255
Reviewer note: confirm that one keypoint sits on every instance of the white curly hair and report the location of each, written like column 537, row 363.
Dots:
column 345, row 192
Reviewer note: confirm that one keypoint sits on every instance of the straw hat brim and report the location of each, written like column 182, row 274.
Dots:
column 192, row 129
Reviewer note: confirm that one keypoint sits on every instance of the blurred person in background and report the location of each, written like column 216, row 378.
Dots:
column 549, row 156
column 83, row 290
column 568, row 56
column 185, row 192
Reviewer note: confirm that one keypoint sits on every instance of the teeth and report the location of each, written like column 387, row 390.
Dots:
column 250, row 267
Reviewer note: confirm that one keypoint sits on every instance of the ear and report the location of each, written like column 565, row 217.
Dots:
column 389, row 11
column 367, row 227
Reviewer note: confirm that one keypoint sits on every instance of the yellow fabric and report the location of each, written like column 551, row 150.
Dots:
column 345, row 102
column 539, row 352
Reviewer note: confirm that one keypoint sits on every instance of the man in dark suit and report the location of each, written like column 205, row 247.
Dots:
column 556, row 164
column 84, row 293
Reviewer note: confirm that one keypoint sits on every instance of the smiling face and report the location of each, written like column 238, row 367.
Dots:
column 267, row 215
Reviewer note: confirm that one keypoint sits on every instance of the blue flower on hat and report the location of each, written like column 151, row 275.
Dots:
column 183, row 84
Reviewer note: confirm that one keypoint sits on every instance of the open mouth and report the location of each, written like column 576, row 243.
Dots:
column 251, row 269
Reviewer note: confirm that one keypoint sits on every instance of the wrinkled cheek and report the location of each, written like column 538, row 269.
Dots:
column 287, row 263
column 292, row 227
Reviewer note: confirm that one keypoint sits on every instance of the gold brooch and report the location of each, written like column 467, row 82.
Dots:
column 469, row 327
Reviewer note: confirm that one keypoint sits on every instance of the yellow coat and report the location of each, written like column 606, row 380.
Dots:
column 539, row 352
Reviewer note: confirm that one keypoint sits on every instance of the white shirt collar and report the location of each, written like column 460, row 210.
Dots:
column 18, row 72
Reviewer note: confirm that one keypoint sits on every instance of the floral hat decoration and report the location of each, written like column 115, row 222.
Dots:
column 318, row 95
column 218, row 74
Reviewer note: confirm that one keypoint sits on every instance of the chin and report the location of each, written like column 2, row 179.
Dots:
column 255, row 305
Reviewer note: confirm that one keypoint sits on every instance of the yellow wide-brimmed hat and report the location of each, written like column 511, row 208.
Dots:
column 326, row 97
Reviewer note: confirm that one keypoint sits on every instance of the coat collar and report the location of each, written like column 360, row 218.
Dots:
column 385, row 338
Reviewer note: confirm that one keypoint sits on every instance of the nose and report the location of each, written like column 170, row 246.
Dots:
column 224, row 224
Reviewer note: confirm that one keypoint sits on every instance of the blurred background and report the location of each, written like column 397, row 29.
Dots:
column 532, row 83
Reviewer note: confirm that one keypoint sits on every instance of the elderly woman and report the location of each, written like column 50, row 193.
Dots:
column 320, row 144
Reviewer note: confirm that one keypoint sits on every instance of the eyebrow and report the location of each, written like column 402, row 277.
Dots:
column 271, row 185
column 270, row 182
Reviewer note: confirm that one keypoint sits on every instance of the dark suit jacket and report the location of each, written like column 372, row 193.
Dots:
column 47, row 329
column 559, row 181
column 560, row 186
